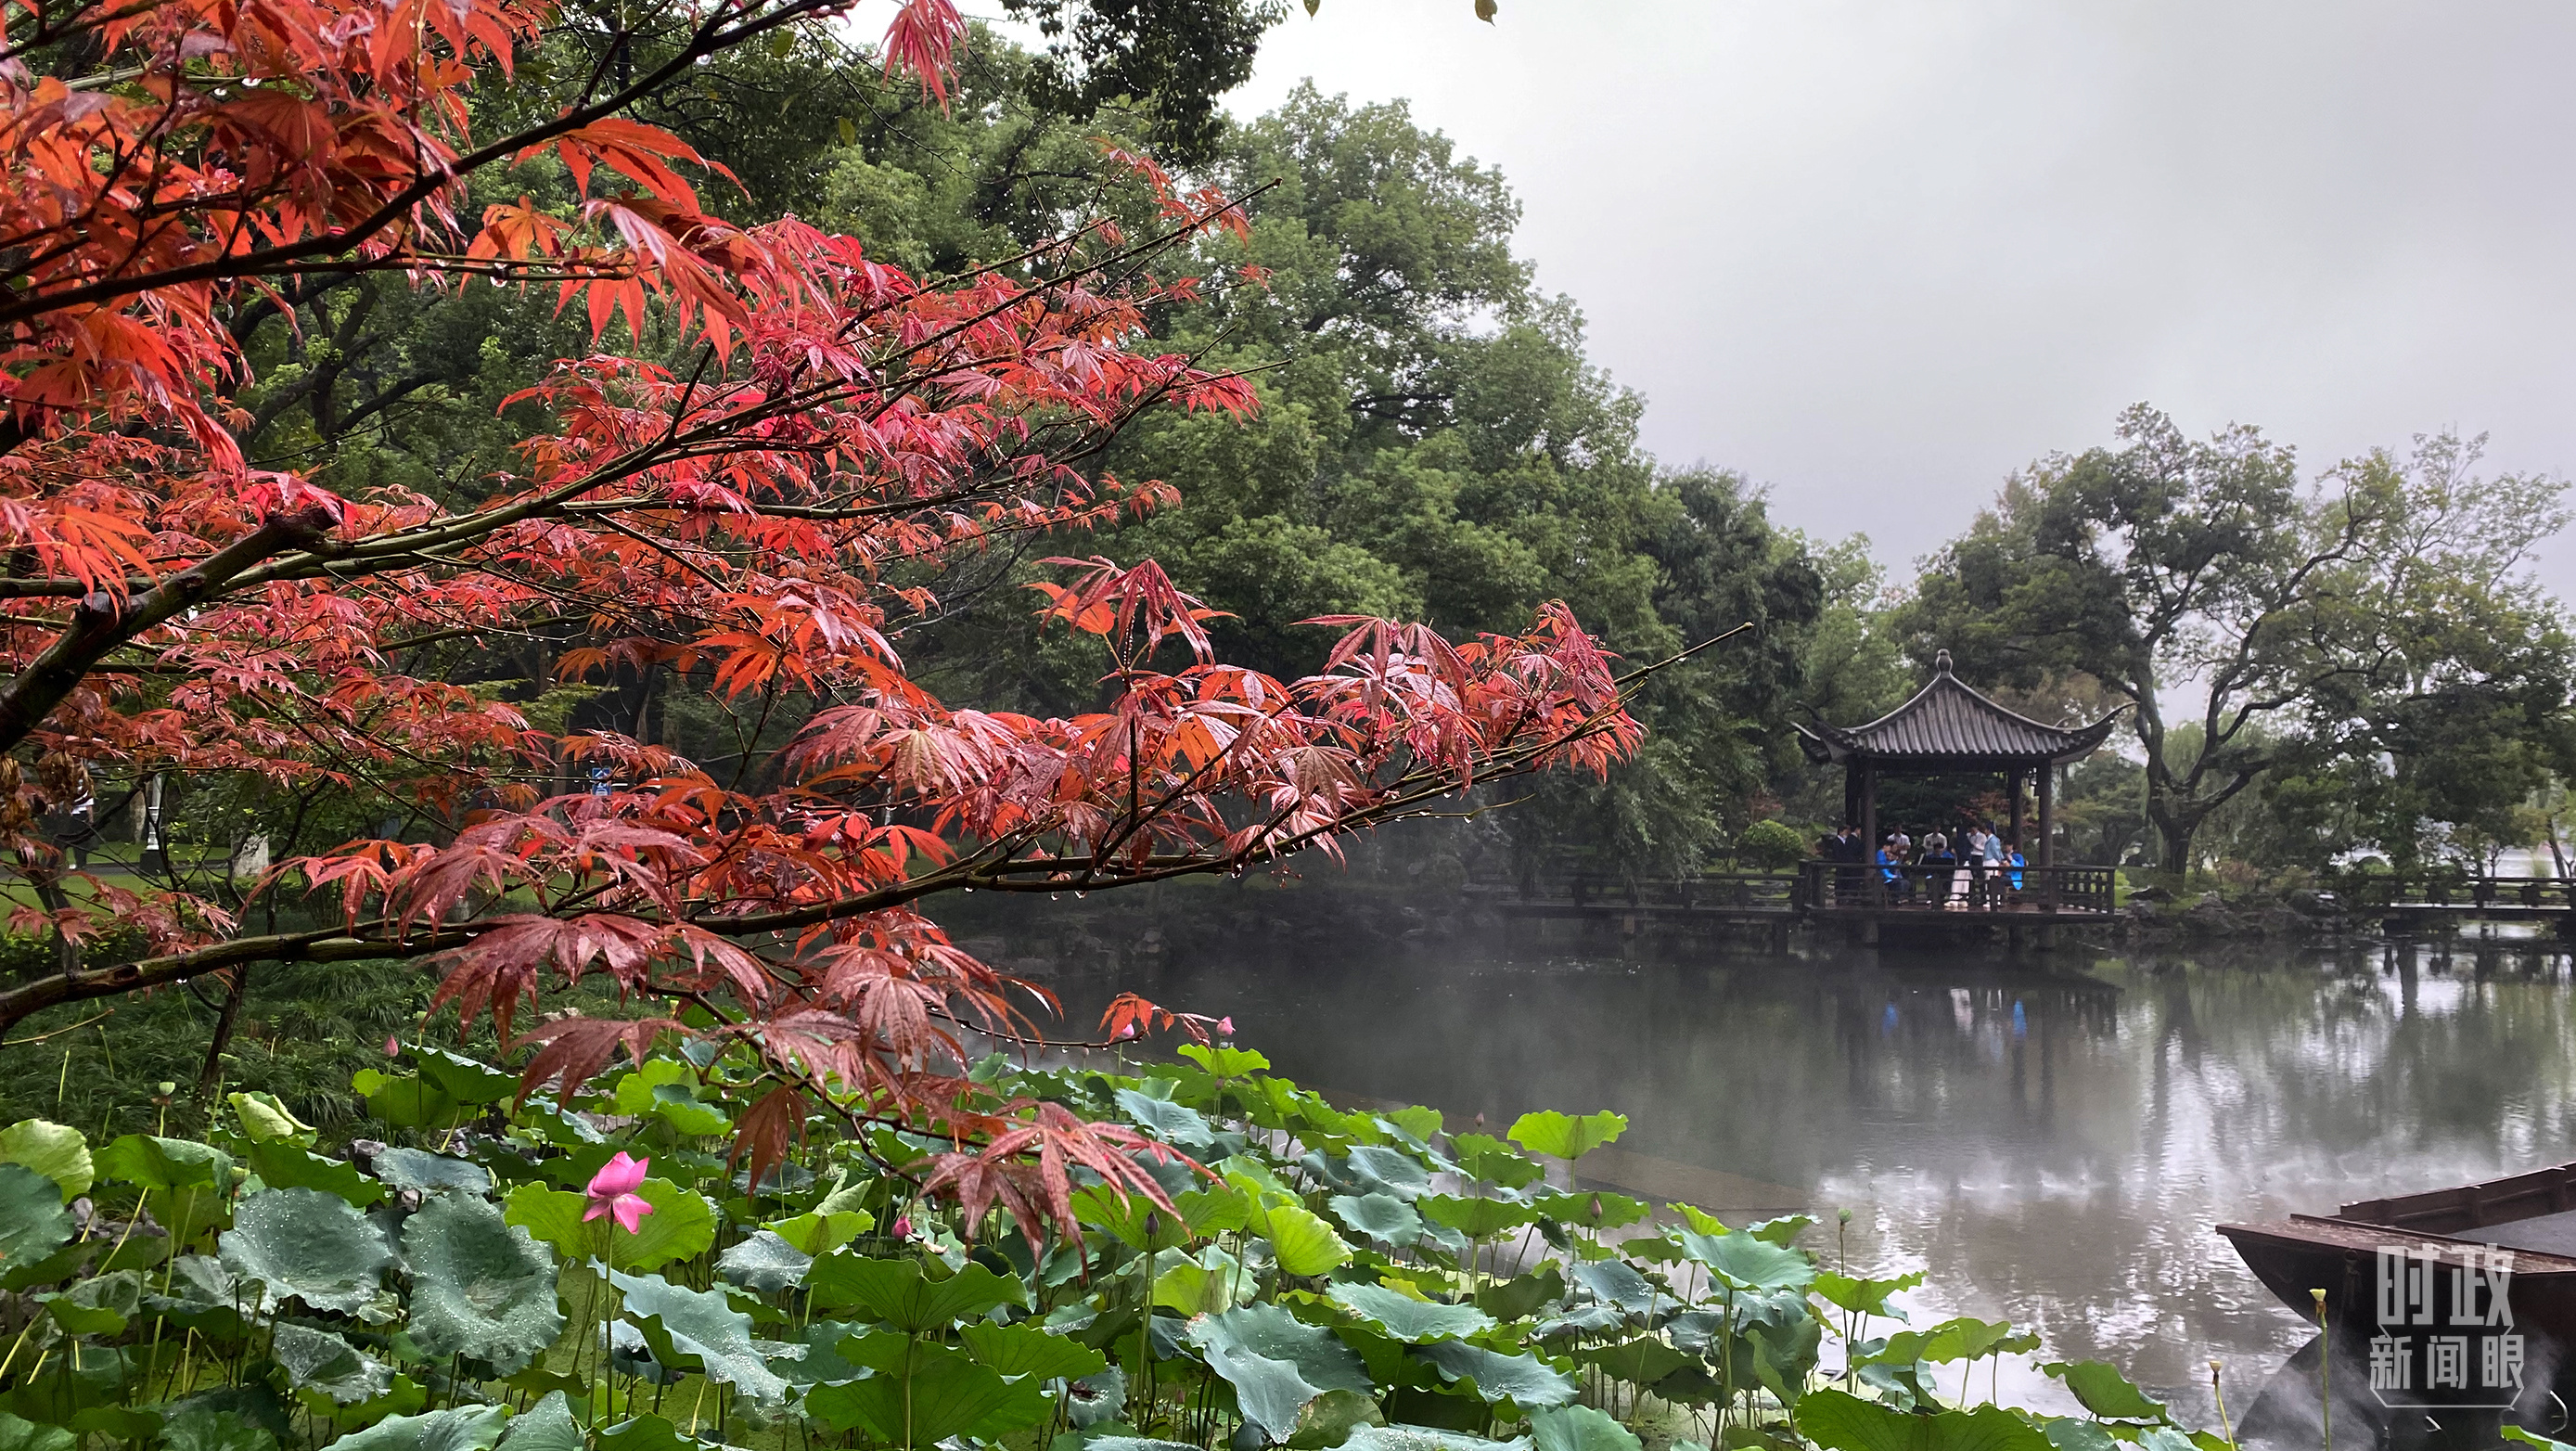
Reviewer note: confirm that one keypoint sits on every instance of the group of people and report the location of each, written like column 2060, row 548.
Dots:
column 1980, row 870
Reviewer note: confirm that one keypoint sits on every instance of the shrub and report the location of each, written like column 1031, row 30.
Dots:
column 1770, row 846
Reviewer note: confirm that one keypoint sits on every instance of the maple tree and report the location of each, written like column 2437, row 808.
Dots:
column 752, row 494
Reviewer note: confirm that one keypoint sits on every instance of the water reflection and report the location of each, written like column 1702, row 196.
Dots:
column 2050, row 1138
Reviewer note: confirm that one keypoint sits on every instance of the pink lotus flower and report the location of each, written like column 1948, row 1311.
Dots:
column 1127, row 1032
column 903, row 1226
column 612, row 1192
column 393, row 1046
column 1225, row 1026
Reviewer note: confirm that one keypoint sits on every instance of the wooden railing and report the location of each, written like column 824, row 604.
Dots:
column 1855, row 886
column 2395, row 891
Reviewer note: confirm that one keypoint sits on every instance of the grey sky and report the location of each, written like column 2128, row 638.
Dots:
column 1877, row 253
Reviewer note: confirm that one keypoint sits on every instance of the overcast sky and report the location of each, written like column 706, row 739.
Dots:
column 1877, row 253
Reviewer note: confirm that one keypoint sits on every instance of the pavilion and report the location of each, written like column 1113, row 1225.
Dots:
column 1948, row 729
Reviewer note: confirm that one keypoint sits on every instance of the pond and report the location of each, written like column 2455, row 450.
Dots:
column 2050, row 1137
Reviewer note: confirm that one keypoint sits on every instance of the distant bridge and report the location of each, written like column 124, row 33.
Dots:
column 2408, row 901
column 1943, row 897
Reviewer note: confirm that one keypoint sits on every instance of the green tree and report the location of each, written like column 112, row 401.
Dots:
column 2321, row 625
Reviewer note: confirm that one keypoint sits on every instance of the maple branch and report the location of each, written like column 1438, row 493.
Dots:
column 98, row 626
column 709, row 39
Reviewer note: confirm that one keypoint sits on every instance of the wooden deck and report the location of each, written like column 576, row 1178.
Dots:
column 1817, row 891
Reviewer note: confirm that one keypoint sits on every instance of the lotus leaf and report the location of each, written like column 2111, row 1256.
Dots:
column 1783, row 1231
column 1842, row 1422
column 322, row 1362
column 1304, row 1243
column 265, row 1119
column 898, row 1293
column 1742, row 1262
column 1212, row 1282
column 821, row 1232
column 546, row 1426
column 676, row 1105
column 1962, row 1338
column 20, row 1434
column 464, row 1079
column 1615, row 1282
column 423, row 1172
column 1522, row 1295
column 1101, row 1207
column 1214, row 1210
column 682, row 1224
column 54, row 1150
column 1379, row 1170
column 407, row 1100
column 765, row 1263
column 1863, row 1296
column 1602, row 1210
column 946, row 1394
column 2075, row 1433
column 98, row 1306
column 1227, row 1062
column 698, row 1330
column 185, row 1184
column 1171, row 1122
column 202, row 1429
column 480, row 1286
column 1275, row 1362
column 1329, row 1420
column 822, row 1360
column 2104, row 1391
column 1474, row 1218
column 1027, row 1349
column 1524, row 1380
column 33, row 1222
column 1381, row 1217
column 1560, row 1136
column 306, row 1245
column 1406, row 1317
column 456, row 1428
column 1485, row 1157
column 1583, row 1323
column 1580, row 1428
column 629, row 1355
column 1096, row 1398
column 1420, row 1121
column 282, row 1163
column 1643, row 1361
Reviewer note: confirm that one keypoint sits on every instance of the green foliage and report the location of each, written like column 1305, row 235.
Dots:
column 1241, row 1318
column 1770, row 846
column 2364, row 653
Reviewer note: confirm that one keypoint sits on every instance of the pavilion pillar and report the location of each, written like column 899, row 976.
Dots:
column 2047, row 812
column 1869, row 877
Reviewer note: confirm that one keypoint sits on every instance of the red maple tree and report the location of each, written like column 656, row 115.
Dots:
column 733, row 517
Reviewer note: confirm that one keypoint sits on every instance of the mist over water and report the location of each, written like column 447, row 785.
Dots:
column 2051, row 1137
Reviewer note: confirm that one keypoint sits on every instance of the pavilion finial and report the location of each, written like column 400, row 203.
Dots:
column 1940, row 662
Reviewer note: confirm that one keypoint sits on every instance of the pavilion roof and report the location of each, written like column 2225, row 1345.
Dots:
column 1946, row 725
